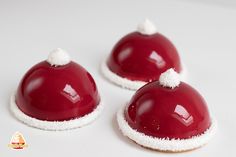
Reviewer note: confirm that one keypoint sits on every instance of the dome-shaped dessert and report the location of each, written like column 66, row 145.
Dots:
column 56, row 94
column 141, row 57
column 167, row 115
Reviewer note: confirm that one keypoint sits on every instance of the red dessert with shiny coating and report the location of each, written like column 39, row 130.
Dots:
column 142, row 57
column 166, row 113
column 57, row 93
column 169, row 110
column 52, row 92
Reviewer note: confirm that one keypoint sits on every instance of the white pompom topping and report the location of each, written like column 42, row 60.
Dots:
column 146, row 27
column 58, row 57
column 169, row 78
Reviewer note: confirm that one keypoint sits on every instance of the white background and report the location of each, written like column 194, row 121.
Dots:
column 203, row 32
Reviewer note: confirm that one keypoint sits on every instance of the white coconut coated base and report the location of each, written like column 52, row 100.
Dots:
column 126, row 83
column 54, row 125
column 164, row 144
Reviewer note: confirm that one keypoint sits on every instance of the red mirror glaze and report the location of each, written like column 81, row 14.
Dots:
column 57, row 93
column 163, row 112
column 143, row 57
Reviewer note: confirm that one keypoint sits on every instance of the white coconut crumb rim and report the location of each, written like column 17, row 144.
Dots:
column 164, row 144
column 146, row 27
column 54, row 125
column 58, row 57
column 126, row 83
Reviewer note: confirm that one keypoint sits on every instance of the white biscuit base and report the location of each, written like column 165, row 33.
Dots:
column 54, row 125
column 164, row 144
column 126, row 83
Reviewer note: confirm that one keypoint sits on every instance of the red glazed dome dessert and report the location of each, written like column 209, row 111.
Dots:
column 56, row 94
column 167, row 115
column 141, row 57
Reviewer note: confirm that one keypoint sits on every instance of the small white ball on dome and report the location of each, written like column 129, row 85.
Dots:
column 169, row 78
column 146, row 27
column 58, row 57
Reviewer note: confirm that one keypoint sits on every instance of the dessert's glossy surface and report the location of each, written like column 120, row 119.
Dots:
column 143, row 57
column 178, row 113
column 57, row 93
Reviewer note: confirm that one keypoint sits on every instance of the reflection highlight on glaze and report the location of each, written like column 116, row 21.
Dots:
column 182, row 115
column 145, row 107
column 70, row 93
column 34, row 84
column 124, row 54
column 159, row 61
